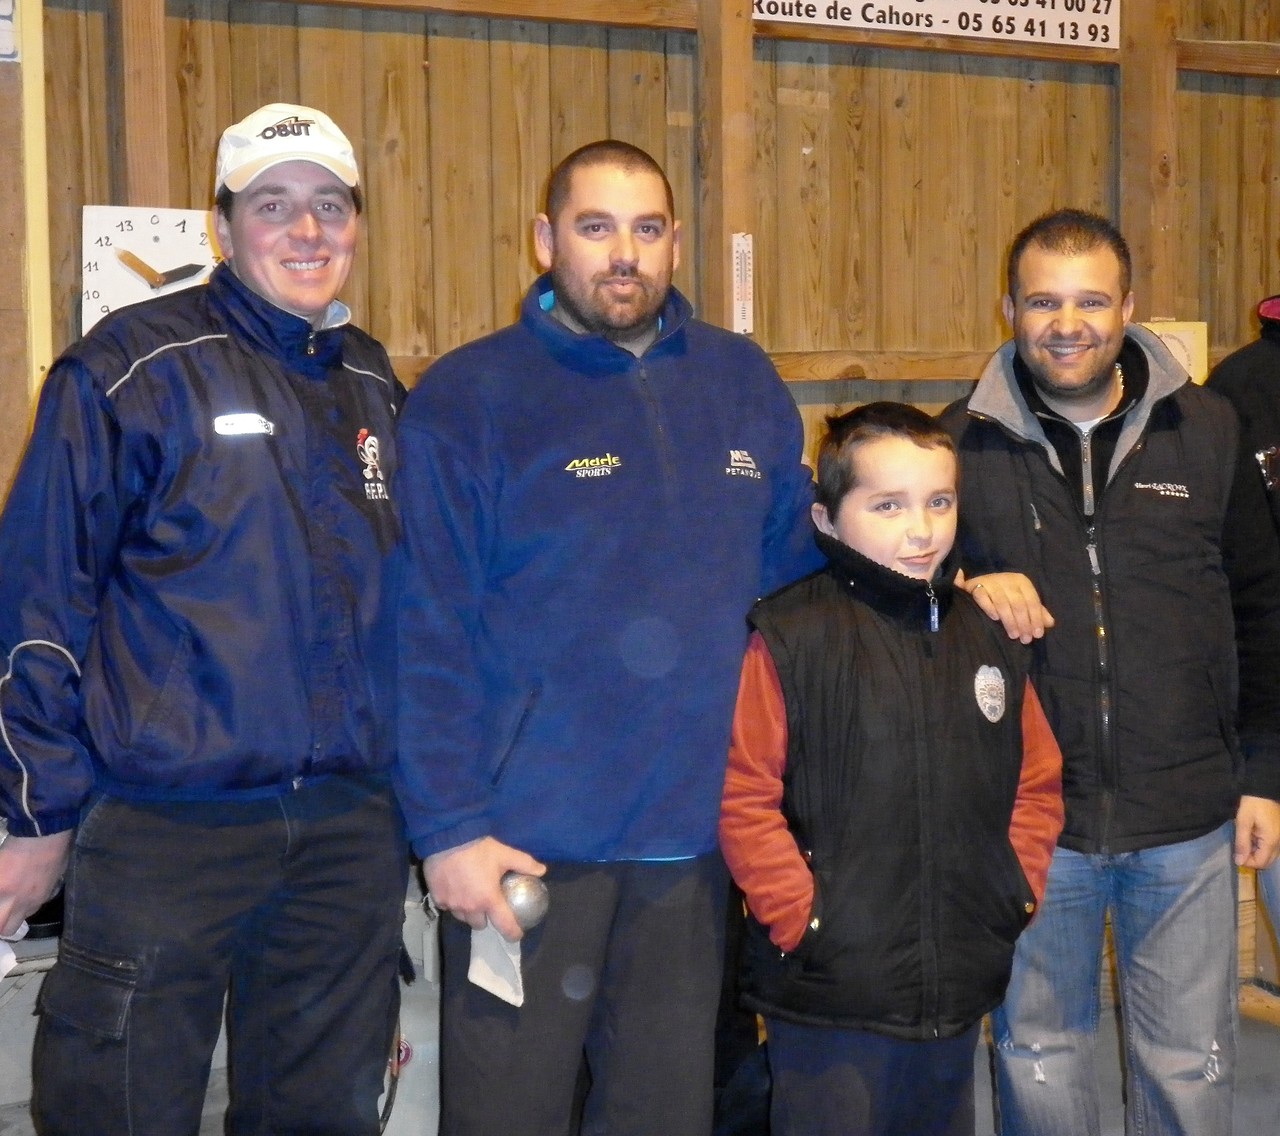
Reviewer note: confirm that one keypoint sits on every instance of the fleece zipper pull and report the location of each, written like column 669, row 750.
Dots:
column 933, row 608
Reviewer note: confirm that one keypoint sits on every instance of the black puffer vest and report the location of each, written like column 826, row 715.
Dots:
column 903, row 762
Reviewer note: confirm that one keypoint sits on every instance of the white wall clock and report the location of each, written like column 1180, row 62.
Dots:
column 132, row 253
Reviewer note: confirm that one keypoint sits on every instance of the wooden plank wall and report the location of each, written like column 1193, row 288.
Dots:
column 457, row 122
column 1229, row 155
column 14, row 349
column 888, row 177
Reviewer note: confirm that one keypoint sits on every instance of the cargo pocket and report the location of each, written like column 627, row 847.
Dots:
column 90, row 991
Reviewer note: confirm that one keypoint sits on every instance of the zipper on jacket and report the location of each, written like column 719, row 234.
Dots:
column 933, row 607
column 930, row 983
column 1110, row 774
column 664, row 439
column 311, row 342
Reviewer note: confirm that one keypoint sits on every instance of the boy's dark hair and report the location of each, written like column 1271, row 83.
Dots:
column 846, row 432
column 1069, row 232
column 225, row 201
column 607, row 152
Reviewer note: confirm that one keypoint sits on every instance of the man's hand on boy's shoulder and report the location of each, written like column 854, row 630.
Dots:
column 1012, row 600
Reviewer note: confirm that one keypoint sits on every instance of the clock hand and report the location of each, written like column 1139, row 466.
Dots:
column 155, row 278
column 141, row 267
column 175, row 274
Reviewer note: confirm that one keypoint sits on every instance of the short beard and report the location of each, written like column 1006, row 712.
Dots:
column 594, row 324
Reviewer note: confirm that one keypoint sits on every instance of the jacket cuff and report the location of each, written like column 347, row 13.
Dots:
column 1261, row 774
column 47, row 824
column 455, row 837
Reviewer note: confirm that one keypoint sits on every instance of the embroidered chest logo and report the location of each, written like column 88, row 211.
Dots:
column 988, row 689
column 742, row 464
column 1164, row 488
column 594, row 467
column 375, row 483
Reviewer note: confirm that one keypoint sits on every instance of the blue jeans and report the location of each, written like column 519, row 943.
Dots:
column 1173, row 919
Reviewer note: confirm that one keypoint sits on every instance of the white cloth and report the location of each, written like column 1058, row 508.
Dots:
column 495, row 965
column 7, row 958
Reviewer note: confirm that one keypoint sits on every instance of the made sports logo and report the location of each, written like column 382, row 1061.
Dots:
column 602, row 466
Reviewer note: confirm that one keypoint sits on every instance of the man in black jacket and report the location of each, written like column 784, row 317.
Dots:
column 1250, row 380
column 1100, row 483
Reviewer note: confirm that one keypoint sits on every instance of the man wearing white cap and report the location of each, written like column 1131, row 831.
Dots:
column 193, row 722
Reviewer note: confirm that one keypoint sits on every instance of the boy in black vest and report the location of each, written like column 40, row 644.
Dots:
column 892, row 800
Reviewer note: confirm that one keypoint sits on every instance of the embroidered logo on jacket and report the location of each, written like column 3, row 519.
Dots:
column 375, row 488
column 594, row 467
column 232, row 424
column 988, row 688
column 1164, row 488
column 742, row 464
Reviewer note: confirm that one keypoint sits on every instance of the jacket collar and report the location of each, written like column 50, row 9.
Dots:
column 278, row 333
column 998, row 397
column 594, row 353
column 902, row 598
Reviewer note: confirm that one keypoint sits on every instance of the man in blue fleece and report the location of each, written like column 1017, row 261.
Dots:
column 596, row 496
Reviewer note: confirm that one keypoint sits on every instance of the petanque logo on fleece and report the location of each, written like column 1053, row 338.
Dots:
column 988, row 688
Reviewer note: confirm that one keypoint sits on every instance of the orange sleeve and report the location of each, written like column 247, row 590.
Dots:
column 1038, row 811
column 758, row 846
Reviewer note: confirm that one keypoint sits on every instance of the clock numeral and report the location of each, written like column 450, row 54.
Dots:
column 92, row 294
column 125, row 226
column 155, row 218
column 181, row 226
column 204, row 238
column 91, row 266
column 103, row 242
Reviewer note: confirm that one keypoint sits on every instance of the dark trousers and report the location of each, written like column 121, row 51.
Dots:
column 289, row 909
column 625, row 969
column 838, row 1082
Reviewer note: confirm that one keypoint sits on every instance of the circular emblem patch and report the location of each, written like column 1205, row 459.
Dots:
column 988, row 688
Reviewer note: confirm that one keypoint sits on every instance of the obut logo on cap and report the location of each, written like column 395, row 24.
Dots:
column 294, row 127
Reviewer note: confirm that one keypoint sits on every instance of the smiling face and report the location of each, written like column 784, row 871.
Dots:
column 291, row 237
column 901, row 511
column 611, row 251
column 1068, row 318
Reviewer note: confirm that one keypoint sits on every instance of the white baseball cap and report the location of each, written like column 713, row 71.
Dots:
column 282, row 132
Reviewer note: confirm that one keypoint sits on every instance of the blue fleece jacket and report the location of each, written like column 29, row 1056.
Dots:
column 584, row 534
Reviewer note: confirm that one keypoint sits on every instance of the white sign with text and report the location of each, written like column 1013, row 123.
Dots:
column 1078, row 23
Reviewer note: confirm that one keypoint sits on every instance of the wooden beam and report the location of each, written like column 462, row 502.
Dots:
column 821, row 366
column 726, row 149
column 885, row 366
column 1229, row 57
column 1149, row 153
column 674, row 14
column 35, row 191
column 142, row 101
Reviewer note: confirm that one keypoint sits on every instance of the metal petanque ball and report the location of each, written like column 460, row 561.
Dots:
column 527, row 897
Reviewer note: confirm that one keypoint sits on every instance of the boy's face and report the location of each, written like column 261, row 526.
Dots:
column 901, row 511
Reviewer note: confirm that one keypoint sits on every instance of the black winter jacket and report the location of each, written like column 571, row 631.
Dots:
column 903, row 765
column 1250, row 379
column 1139, row 676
